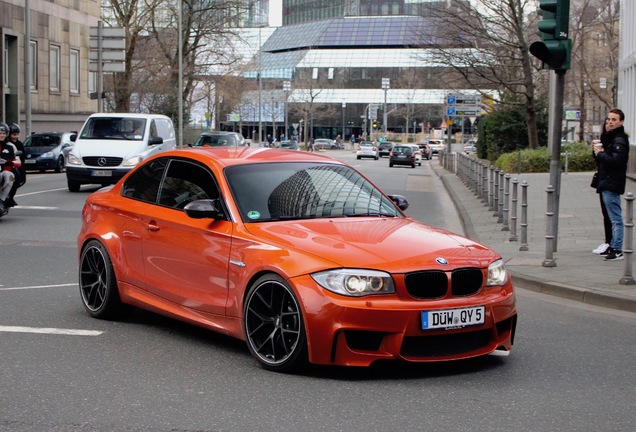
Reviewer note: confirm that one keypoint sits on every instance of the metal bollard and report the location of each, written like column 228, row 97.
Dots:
column 484, row 184
column 628, row 242
column 549, row 234
column 495, row 194
column 513, row 212
column 500, row 197
column 524, row 217
column 491, row 194
column 506, row 203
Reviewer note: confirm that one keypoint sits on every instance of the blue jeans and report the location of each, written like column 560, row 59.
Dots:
column 613, row 204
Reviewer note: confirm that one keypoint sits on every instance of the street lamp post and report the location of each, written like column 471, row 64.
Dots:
column 386, row 85
column 260, row 87
column 286, row 89
column 344, row 106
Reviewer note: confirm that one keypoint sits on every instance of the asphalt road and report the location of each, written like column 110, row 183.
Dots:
column 60, row 370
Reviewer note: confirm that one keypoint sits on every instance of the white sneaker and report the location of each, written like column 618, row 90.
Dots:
column 601, row 248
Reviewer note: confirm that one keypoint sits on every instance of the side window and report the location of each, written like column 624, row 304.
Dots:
column 186, row 182
column 144, row 184
column 153, row 129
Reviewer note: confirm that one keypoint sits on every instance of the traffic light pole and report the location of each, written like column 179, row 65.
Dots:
column 556, row 117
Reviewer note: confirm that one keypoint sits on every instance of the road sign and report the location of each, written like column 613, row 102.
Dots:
column 107, row 67
column 463, row 100
column 108, row 32
column 107, row 55
column 117, row 44
column 573, row 115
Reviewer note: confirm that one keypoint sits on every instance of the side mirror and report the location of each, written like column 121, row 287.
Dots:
column 155, row 141
column 73, row 137
column 400, row 201
column 206, row 208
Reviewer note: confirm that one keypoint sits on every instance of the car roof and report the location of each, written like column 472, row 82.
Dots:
column 228, row 156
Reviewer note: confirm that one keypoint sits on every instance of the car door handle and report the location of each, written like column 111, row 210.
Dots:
column 152, row 226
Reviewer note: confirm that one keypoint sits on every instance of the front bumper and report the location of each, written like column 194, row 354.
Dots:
column 360, row 331
column 95, row 175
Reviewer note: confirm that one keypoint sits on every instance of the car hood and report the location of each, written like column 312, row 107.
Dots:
column 36, row 151
column 115, row 148
column 392, row 244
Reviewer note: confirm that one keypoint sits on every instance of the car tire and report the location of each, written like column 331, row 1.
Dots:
column 358, row 157
column 390, row 165
column 273, row 325
column 73, row 186
column 376, row 158
column 98, row 283
column 413, row 165
column 60, row 167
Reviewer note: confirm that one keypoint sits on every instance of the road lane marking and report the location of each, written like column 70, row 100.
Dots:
column 39, row 192
column 36, row 207
column 36, row 287
column 49, row 330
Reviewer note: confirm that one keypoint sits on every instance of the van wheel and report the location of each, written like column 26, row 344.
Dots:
column 73, row 186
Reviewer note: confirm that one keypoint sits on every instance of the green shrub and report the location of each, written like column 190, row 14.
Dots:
column 579, row 159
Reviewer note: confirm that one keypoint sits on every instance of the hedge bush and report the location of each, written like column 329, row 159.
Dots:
column 538, row 160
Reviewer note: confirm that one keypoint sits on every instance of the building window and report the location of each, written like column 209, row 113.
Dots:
column 33, row 53
column 54, row 68
column 314, row 73
column 74, row 69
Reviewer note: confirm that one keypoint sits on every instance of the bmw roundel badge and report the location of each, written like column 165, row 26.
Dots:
column 441, row 261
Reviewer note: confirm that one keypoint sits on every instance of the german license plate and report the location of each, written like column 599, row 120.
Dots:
column 101, row 173
column 452, row 318
column 30, row 161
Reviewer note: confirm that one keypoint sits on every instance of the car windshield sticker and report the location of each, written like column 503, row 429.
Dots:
column 253, row 214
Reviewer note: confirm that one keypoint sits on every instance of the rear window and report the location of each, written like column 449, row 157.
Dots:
column 217, row 141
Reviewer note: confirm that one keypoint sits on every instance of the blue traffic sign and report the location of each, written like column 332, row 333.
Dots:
column 451, row 100
column 450, row 111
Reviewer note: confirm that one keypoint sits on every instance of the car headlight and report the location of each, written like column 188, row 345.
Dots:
column 355, row 282
column 497, row 274
column 47, row 155
column 71, row 159
column 132, row 161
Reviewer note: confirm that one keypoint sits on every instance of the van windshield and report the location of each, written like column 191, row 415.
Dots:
column 114, row 128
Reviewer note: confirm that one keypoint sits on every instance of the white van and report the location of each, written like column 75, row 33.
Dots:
column 111, row 144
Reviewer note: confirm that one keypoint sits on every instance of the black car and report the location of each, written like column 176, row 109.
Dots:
column 385, row 148
column 47, row 151
column 403, row 155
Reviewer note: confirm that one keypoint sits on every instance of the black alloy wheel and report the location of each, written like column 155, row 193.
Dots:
column 98, row 284
column 273, row 325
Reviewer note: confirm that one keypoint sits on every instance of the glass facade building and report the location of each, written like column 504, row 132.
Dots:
column 336, row 55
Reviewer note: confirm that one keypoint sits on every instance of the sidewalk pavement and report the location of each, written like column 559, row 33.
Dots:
column 578, row 274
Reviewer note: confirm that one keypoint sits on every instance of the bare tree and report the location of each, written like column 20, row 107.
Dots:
column 487, row 48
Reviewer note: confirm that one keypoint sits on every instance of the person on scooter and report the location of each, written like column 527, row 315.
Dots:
column 20, row 173
column 7, row 158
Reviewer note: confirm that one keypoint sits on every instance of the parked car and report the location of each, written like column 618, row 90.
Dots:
column 298, row 255
column 326, row 143
column 426, row 151
column 289, row 145
column 367, row 149
column 405, row 154
column 220, row 139
column 111, row 144
column 436, row 145
column 47, row 151
column 385, row 147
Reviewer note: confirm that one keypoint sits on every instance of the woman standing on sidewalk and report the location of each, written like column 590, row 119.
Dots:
column 612, row 160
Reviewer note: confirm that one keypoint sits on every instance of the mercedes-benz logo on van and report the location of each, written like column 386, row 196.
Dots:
column 101, row 161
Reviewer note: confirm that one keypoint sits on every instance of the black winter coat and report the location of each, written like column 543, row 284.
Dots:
column 612, row 162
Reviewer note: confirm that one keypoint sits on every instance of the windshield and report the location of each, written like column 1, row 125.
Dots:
column 284, row 191
column 114, row 128
column 42, row 141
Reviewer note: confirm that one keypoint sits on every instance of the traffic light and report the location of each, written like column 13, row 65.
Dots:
column 555, row 48
column 375, row 125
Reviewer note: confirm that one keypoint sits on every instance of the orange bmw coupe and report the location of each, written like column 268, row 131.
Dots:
column 296, row 253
